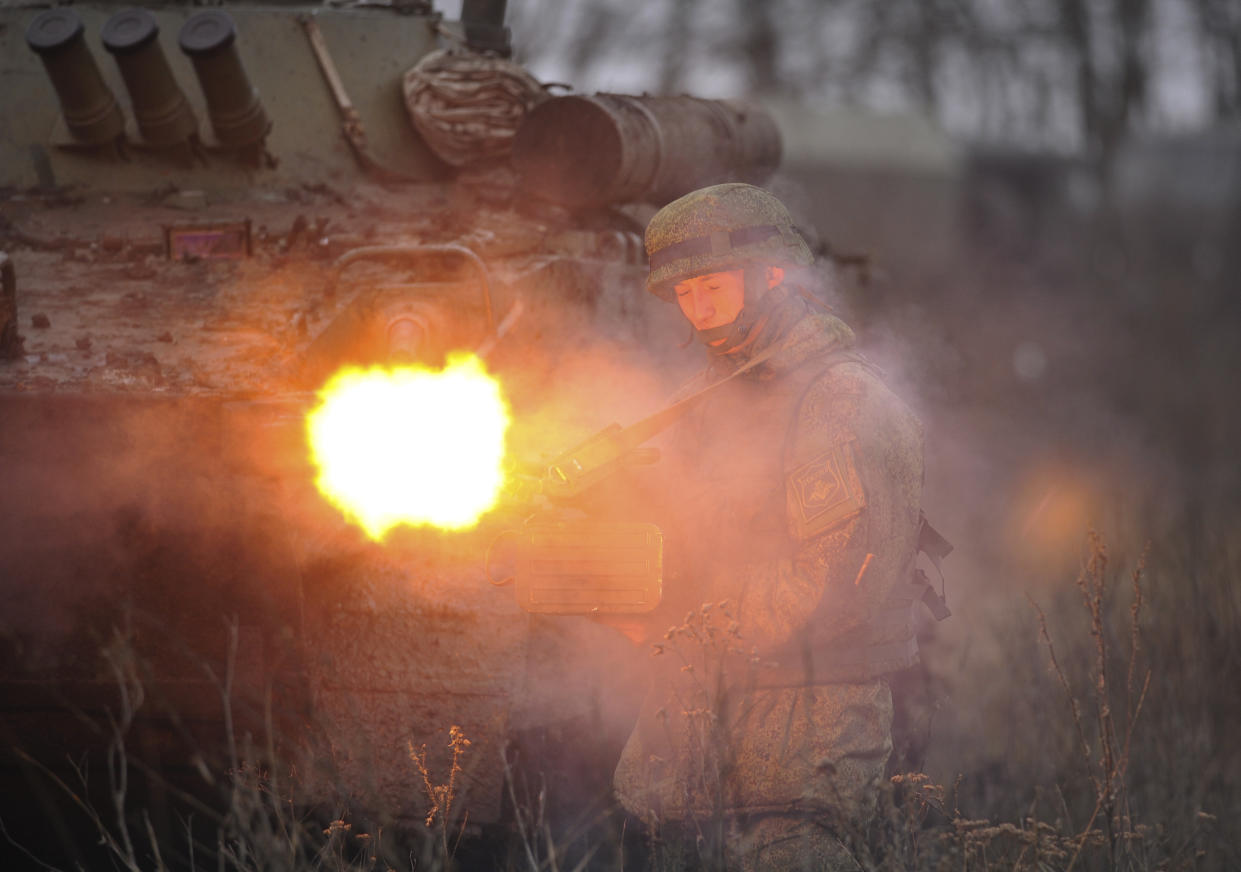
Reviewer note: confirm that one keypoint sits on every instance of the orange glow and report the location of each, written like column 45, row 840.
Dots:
column 410, row 445
column 1053, row 509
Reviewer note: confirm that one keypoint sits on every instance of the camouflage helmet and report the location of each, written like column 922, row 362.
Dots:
column 723, row 227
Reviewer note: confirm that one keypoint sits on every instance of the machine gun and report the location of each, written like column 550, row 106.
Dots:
column 568, row 563
column 575, row 565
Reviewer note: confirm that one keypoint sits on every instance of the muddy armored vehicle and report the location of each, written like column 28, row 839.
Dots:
column 204, row 215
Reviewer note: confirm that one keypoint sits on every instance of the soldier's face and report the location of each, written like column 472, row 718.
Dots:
column 713, row 299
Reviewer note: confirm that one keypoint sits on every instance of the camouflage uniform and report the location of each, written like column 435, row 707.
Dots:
column 802, row 538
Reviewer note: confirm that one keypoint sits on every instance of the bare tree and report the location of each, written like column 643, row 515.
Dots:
column 1219, row 26
column 678, row 34
column 1027, row 73
column 760, row 45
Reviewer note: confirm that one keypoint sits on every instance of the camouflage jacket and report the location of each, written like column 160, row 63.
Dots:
column 799, row 503
column 799, row 513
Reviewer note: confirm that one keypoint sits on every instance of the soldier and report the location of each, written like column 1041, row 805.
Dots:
column 797, row 520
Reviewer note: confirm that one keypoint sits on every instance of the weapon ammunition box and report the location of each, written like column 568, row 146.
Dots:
column 582, row 567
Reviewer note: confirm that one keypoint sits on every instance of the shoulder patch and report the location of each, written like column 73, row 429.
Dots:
column 824, row 491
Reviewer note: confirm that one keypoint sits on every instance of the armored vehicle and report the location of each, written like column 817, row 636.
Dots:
column 205, row 213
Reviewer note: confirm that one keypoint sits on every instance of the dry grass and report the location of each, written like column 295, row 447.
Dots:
column 441, row 813
column 1096, row 788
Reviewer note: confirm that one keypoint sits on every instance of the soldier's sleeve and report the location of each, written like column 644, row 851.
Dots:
column 852, row 485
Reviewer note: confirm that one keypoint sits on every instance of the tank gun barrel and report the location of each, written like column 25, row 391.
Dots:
column 613, row 148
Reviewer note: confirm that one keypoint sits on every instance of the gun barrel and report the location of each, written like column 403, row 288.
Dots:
column 613, row 148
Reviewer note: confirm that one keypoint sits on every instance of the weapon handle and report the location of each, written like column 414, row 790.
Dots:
column 508, row 579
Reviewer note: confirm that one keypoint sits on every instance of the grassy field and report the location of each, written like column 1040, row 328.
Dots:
column 1094, row 495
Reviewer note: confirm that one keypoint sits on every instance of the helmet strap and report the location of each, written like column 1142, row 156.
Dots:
column 757, row 302
column 733, row 331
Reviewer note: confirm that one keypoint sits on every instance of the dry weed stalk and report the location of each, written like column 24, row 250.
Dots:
column 441, row 796
column 533, row 828
column 1105, row 752
column 537, row 831
column 528, row 830
column 918, row 827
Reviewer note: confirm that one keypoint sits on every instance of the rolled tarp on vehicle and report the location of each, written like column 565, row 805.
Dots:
column 613, row 148
column 468, row 107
